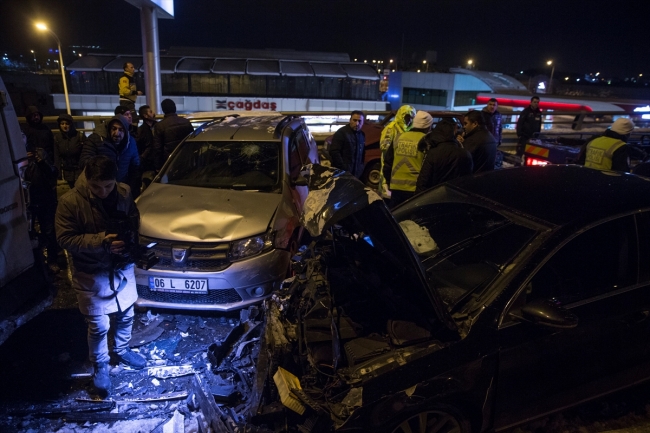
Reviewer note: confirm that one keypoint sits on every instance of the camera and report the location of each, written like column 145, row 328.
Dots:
column 126, row 229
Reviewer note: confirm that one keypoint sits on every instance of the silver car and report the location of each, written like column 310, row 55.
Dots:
column 224, row 213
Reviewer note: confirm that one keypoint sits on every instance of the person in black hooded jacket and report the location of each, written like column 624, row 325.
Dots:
column 117, row 146
column 68, row 143
column 39, row 135
column 445, row 159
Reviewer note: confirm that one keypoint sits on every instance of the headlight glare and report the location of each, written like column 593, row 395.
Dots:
column 249, row 247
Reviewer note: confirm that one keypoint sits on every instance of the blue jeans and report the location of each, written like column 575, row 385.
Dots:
column 98, row 331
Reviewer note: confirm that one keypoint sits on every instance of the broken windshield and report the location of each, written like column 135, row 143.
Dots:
column 245, row 165
column 462, row 245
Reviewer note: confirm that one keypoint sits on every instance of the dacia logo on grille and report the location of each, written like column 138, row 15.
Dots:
column 179, row 255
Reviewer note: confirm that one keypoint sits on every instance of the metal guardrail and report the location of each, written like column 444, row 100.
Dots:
column 578, row 120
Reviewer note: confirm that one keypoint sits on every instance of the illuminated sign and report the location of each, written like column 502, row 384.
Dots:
column 642, row 109
column 163, row 8
column 247, row 104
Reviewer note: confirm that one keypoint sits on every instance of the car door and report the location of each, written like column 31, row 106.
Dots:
column 596, row 276
column 298, row 156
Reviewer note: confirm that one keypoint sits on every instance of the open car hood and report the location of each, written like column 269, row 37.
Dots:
column 338, row 198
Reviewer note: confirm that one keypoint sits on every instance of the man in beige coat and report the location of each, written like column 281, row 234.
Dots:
column 102, row 275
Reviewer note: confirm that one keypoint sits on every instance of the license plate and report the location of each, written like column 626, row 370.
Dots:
column 178, row 285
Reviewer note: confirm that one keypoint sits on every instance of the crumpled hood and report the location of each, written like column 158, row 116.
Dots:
column 334, row 195
column 183, row 213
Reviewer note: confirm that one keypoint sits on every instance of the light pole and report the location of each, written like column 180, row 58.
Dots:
column 550, row 82
column 34, row 54
column 43, row 27
column 426, row 65
column 470, row 62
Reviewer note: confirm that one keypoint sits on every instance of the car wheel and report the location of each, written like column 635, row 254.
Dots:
column 372, row 174
column 432, row 421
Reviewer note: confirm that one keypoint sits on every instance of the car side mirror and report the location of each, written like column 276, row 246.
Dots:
column 547, row 313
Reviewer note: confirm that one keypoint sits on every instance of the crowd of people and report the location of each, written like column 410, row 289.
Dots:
column 416, row 154
column 63, row 154
column 103, row 171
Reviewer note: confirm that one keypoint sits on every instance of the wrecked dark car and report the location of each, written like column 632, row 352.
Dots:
column 475, row 306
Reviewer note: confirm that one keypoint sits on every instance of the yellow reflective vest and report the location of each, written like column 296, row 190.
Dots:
column 408, row 161
column 600, row 151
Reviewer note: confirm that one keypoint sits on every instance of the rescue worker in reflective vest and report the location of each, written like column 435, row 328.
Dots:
column 609, row 151
column 403, row 122
column 406, row 159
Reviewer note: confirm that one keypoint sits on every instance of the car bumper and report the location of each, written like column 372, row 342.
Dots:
column 240, row 285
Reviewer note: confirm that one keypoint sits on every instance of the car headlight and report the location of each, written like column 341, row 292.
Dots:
column 249, row 247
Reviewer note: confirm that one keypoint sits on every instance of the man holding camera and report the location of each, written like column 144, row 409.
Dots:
column 102, row 271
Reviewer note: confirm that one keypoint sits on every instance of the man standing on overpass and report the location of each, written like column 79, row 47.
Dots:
column 530, row 122
column 128, row 91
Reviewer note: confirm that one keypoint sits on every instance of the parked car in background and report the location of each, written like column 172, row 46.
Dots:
column 224, row 213
column 475, row 306
column 372, row 156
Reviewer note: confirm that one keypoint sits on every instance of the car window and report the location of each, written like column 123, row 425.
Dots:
column 602, row 259
column 246, row 165
column 298, row 153
column 474, row 244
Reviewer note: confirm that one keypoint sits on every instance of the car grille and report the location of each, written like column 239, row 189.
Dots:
column 226, row 296
column 202, row 257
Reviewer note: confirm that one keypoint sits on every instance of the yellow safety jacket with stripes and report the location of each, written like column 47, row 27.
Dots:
column 408, row 161
column 600, row 151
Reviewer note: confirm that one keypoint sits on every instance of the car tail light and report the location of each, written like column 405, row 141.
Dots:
column 535, row 161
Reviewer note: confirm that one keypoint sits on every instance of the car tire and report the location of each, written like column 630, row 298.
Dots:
column 431, row 420
column 372, row 174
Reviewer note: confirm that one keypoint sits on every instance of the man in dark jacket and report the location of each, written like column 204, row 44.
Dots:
column 102, row 275
column 144, row 138
column 68, row 143
column 117, row 146
column 529, row 122
column 445, row 159
column 479, row 142
column 41, row 176
column 492, row 119
column 348, row 145
column 169, row 133
column 39, row 135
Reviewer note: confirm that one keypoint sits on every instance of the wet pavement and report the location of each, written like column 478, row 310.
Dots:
column 45, row 376
column 200, row 368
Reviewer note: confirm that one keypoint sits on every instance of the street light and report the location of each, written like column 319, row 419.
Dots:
column 43, row 27
column 424, row 62
column 34, row 54
column 550, row 82
column 470, row 62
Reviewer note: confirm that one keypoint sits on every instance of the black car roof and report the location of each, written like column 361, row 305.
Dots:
column 561, row 194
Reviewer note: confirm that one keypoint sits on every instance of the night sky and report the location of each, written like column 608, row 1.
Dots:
column 611, row 37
